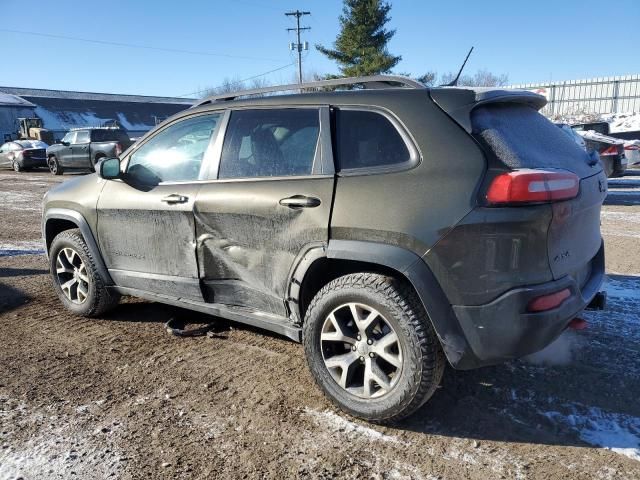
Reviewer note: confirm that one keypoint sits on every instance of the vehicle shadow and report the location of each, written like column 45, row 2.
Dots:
column 11, row 297
column 582, row 390
column 21, row 272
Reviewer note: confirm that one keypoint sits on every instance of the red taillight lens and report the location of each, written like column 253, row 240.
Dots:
column 612, row 150
column 118, row 149
column 26, row 153
column 548, row 302
column 532, row 186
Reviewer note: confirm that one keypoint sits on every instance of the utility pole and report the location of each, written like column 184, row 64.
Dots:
column 298, row 46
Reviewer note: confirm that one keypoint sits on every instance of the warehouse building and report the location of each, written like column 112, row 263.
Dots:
column 61, row 110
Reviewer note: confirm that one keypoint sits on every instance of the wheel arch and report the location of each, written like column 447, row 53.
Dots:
column 322, row 264
column 57, row 220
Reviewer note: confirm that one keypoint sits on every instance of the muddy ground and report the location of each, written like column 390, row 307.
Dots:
column 118, row 397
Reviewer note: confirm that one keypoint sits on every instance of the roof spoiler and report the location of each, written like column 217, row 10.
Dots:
column 459, row 102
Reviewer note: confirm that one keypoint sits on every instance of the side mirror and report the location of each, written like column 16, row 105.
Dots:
column 109, row 168
column 66, row 144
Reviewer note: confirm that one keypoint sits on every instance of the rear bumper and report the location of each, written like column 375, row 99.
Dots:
column 503, row 329
column 33, row 162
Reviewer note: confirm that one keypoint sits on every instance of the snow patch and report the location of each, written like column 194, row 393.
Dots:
column 623, row 288
column 29, row 247
column 341, row 425
column 613, row 431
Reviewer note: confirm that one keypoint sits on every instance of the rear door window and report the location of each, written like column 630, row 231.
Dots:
column 270, row 143
column 367, row 139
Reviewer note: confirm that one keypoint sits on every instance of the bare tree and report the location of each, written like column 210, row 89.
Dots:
column 428, row 78
column 482, row 78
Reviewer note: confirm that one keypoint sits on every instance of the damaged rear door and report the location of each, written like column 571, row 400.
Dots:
column 270, row 198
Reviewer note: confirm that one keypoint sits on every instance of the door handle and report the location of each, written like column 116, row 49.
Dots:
column 300, row 201
column 175, row 198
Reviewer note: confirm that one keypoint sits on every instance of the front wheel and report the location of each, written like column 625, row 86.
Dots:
column 76, row 278
column 54, row 165
column 371, row 347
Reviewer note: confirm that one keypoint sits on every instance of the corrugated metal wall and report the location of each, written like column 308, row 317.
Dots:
column 594, row 95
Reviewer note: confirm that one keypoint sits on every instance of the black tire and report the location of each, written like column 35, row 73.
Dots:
column 54, row 165
column 423, row 361
column 98, row 299
column 16, row 166
column 95, row 162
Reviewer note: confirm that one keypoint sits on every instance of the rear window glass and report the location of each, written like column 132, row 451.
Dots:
column 32, row 144
column 520, row 137
column 368, row 140
column 109, row 136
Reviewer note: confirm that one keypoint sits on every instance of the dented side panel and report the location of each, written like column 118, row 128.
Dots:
column 247, row 242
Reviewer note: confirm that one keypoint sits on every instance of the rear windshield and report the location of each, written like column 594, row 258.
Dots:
column 31, row 144
column 109, row 136
column 520, row 137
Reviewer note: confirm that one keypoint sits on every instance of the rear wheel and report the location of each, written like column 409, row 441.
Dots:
column 371, row 347
column 95, row 162
column 54, row 165
column 17, row 167
column 76, row 278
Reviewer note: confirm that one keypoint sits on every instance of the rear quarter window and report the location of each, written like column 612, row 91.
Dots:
column 367, row 139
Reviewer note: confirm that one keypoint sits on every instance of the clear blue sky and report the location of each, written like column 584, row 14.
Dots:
column 529, row 41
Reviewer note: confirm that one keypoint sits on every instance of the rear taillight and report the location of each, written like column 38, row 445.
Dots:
column 532, row 186
column 26, row 153
column 632, row 147
column 118, row 149
column 612, row 150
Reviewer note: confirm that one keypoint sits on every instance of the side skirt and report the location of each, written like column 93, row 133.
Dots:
column 266, row 321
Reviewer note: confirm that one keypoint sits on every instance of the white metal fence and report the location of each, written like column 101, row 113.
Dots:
column 594, row 95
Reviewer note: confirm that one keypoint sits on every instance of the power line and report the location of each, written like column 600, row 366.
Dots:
column 298, row 46
column 132, row 45
column 240, row 81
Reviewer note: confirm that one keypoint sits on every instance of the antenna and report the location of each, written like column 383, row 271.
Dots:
column 455, row 80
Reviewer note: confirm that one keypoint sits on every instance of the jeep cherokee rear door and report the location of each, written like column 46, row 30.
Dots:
column 269, row 199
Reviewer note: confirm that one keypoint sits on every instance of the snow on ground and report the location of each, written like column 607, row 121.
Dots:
column 336, row 423
column 28, row 247
column 623, row 122
column 65, row 443
column 612, row 431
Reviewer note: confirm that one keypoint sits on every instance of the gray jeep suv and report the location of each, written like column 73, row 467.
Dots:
column 388, row 227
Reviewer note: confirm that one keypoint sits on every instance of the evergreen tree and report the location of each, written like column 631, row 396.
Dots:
column 361, row 46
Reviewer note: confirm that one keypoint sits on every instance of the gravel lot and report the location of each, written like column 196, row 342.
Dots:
column 118, row 397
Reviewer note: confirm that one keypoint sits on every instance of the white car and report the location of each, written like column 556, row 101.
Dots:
column 632, row 151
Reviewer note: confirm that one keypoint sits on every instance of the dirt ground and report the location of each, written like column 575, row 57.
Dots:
column 117, row 397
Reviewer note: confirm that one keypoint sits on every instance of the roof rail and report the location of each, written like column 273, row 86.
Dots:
column 372, row 82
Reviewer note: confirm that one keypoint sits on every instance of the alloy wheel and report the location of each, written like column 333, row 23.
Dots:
column 72, row 275
column 361, row 350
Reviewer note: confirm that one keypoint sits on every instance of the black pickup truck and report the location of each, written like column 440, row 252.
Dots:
column 83, row 148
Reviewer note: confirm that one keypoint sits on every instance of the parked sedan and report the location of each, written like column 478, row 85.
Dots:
column 23, row 154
